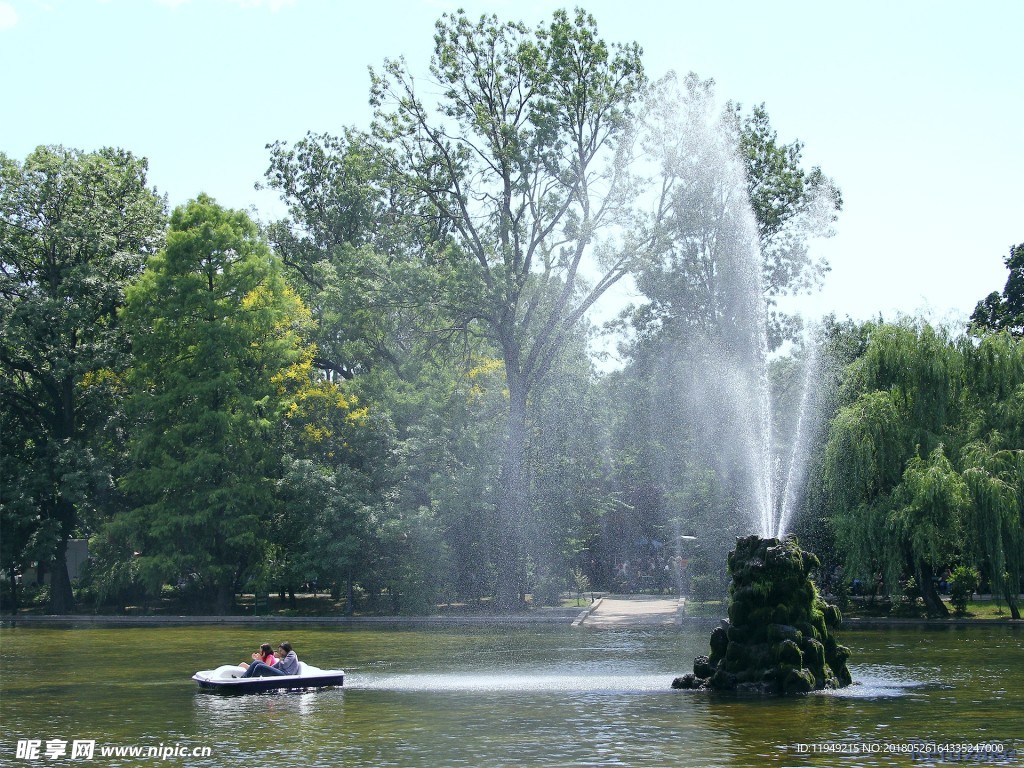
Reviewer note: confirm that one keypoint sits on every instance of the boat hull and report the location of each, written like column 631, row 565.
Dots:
column 227, row 680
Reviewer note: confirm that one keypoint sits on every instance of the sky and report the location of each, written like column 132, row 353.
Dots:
column 915, row 109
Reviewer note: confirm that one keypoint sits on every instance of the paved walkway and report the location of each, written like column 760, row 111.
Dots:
column 632, row 611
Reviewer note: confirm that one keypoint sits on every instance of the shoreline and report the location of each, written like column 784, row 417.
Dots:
column 566, row 618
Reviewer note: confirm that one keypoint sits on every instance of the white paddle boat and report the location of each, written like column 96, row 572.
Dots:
column 228, row 679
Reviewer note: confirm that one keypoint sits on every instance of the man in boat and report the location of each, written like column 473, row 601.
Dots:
column 287, row 664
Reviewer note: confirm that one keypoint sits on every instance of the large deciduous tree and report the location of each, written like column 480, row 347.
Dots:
column 365, row 255
column 217, row 339
column 75, row 229
column 524, row 157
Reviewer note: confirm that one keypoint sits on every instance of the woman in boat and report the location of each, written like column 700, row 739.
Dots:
column 287, row 663
column 264, row 654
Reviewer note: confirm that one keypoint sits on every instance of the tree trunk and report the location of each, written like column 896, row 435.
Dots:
column 1011, row 600
column 350, row 595
column 12, row 574
column 62, row 598
column 225, row 598
column 932, row 600
column 513, row 503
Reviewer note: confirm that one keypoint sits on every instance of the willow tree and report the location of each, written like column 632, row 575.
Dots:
column 75, row 230
column 524, row 157
column 217, row 335
column 898, row 502
column 995, row 479
column 993, row 462
column 923, row 464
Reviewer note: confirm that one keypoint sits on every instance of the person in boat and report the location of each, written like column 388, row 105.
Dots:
column 287, row 664
column 264, row 654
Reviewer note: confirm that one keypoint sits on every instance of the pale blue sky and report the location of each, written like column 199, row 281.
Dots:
column 916, row 109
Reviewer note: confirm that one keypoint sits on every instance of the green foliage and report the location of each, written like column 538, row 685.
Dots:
column 216, row 335
column 932, row 501
column 919, row 467
column 962, row 586
column 707, row 587
column 523, row 162
column 1005, row 311
column 432, row 425
column 699, row 279
column 368, row 258
column 580, row 582
column 75, row 229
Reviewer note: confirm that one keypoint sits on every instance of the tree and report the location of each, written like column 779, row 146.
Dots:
column 898, row 502
column 75, row 229
column 993, row 461
column 737, row 212
column 367, row 259
column 1004, row 311
column 525, row 160
column 217, row 337
column 392, row 326
column 792, row 206
column 923, row 463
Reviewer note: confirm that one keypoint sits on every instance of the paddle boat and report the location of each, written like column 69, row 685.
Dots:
column 228, row 679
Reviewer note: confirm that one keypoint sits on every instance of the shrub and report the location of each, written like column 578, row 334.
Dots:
column 548, row 590
column 706, row 587
column 961, row 586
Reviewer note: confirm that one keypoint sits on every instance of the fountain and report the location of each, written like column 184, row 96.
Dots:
column 779, row 637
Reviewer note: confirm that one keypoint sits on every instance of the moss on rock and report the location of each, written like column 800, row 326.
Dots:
column 777, row 640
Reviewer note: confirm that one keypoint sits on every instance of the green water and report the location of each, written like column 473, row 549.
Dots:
column 509, row 696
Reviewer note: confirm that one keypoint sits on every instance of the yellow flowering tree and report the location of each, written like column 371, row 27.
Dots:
column 219, row 345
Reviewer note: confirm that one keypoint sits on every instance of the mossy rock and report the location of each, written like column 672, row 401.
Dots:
column 798, row 681
column 833, row 617
column 723, row 681
column 703, row 668
column 738, row 634
column 810, row 561
column 781, row 614
column 839, row 656
column 739, row 613
column 719, row 641
column 737, row 656
column 686, row 682
column 808, row 630
column 779, row 632
column 814, row 656
column 778, row 638
column 761, row 655
column 788, row 652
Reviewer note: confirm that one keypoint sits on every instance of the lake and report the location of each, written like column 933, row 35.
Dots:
column 510, row 695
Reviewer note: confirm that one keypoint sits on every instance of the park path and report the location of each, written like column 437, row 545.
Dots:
column 622, row 611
